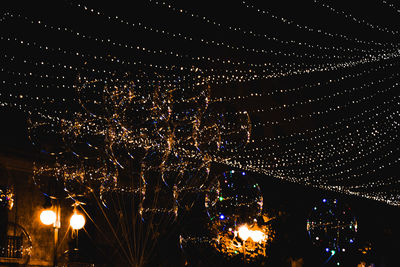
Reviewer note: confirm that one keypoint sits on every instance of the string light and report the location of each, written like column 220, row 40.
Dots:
column 348, row 152
column 253, row 34
column 328, row 97
column 281, row 91
column 353, row 18
column 391, row 5
column 317, row 68
column 311, row 29
column 212, row 42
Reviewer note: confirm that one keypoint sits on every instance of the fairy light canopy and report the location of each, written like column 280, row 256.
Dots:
column 308, row 94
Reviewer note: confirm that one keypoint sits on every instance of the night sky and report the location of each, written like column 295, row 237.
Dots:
column 290, row 202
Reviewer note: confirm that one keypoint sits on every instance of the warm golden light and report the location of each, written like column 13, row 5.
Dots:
column 77, row 221
column 250, row 241
column 48, row 217
column 257, row 236
column 244, row 232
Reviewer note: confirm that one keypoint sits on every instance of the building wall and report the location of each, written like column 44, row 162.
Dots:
column 17, row 173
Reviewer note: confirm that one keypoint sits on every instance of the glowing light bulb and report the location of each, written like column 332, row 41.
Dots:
column 77, row 221
column 244, row 232
column 48, row 217
column 257, row 236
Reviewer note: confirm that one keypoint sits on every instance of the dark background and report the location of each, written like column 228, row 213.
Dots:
column 378, row 222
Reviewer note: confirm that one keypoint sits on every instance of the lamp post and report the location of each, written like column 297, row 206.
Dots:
column 244, row 234
column 256, row 237
column 77, row 221
column 52, row 216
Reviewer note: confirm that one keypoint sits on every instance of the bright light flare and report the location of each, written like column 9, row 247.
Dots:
column 257, row 236
column 77, row 221
column 48, row 217
column 245, row 233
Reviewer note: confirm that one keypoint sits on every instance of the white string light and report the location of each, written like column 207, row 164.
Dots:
column 311, row 29
column 348, row 145
column 216, row 43
column 391, row 5
column 357, row 20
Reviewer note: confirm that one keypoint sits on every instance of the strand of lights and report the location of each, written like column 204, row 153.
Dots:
column 62, row 51
column 317, row 113
column 321, row 177
column 67, row 67
column 390, row 181
column 359, row 21
column 213, row 78
column 331, row 149
column 213, row 42
column 57, row 65
column 369, row 172
column 391, row 5
column 330, row 109
column 319, row 31
column 313, row 142
column 87, row 57
column 304, row 86
column 370, row 114
column 324, row 128
column 136, row 47
column 258, row 35
column 328, row 153
column 333, row 67
column 325, row 149
column 30, row 74
column 319, row 68
column 109, row 41
column 323, row 168
column 340, row 189
column 370, row 145
column 287, row 143
column 327, row 97
column 225, row 79
column 259, row 110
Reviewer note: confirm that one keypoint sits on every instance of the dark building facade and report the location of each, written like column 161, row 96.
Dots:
column 24, row 239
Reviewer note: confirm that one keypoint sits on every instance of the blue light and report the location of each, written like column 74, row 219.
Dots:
column 243, row 173
column 327, row 249
column 222, row 216
column 324, row 200
column 351, row 240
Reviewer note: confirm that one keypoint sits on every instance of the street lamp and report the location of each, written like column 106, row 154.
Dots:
column 244, row 232
column 257, row 237
column 77, row 221
column 51, row 216
column 48, row 217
